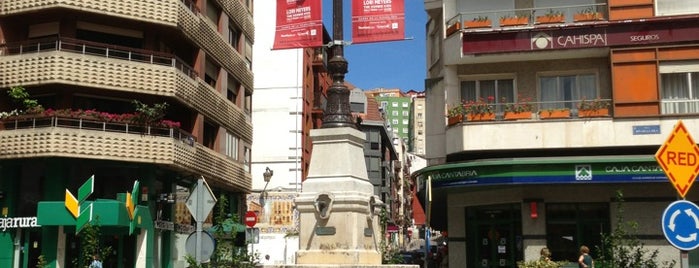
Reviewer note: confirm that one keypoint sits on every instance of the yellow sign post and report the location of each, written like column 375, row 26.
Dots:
column 679, row 158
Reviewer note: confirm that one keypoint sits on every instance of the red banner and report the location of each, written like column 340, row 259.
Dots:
column 299, row 24
column 377, row 20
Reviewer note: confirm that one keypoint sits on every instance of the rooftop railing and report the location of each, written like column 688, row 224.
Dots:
column 97, row 49
column 528, row 17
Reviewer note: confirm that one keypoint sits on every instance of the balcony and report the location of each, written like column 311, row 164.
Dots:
column 89, row 64
column 180, row 14
column 527, row 18
column 572, row 131
column 89, row 139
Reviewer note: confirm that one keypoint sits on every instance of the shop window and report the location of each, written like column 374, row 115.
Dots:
column 566, row 90
column 491, row 91
column 679, row 86
column 569, row 226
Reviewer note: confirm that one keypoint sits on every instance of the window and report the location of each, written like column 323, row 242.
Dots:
column 419, row 115
column 568, row 226
column 357, row 107
column 564, row 91
column 394, row 122
column 394, row 113
column 419, row 106
column 211, row 74
column 246, row 159
column 405, row 130
column 435, row 37
column 213, row 12
column 233, row 36
column 231, row 146
column 232, row 91
column 405, row 121
column 394, row 104
column 679, row 88
column 676, row 7
column 406, row 113
column 405, row 104
column 419, row 124
column 248, row 54
column 384, row 104
column 492, row 91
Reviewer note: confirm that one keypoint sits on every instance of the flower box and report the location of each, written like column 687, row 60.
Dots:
column 514, row 21
column 546, row 19
column 554, row 114
column 477, row 24
column 453, row 28
column 587, row 16
column 602, row 112
column 481, row 117
column 453, row 120
column 517, row 116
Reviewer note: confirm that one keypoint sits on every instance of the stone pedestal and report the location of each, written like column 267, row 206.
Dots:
column 338, row 209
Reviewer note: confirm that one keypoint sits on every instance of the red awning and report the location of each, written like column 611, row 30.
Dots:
column 418, row 211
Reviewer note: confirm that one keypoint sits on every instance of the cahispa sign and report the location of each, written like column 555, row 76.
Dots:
column 603, row 35
column 18, row 222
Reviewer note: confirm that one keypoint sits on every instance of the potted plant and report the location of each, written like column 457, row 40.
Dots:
column 478, row 22
column 551, row 16
column 593, row 108
column 481, row 110
column 513, row 20
column 587, row 14
column 455, row 114
column 521, row 109
column 554, row 113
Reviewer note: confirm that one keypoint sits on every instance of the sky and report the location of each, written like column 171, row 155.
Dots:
column 395, row 64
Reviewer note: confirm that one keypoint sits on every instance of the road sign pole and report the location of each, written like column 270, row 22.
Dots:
column 200, row 208
column 684, row 259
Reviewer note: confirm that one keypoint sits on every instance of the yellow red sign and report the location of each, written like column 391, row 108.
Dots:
column 679, row 158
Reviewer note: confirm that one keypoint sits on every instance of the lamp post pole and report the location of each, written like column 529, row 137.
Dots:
column 337, row 112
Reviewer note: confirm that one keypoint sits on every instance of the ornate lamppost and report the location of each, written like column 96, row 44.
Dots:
column 337, row 112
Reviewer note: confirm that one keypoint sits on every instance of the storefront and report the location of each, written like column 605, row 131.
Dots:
column 498, row 212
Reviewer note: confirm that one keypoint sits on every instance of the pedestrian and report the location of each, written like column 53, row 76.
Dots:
column 545, row 255
column 585, row 260
column 96, row 262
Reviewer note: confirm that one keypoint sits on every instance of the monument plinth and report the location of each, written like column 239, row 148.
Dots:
column 339, row 221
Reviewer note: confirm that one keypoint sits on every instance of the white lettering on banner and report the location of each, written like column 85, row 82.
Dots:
column 625, row 169
column 581, row 40
column 647, row 37
column 455, row 174
column 19, row 222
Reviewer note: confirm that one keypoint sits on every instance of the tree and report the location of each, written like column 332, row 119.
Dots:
column 622, row 249
column 90, row 244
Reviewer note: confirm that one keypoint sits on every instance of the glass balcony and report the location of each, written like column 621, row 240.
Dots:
column 527, row 17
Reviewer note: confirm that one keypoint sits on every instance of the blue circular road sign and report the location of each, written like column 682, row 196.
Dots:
column 681, row 225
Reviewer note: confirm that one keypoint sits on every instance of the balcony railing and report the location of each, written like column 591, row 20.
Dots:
column 529, row 17
column 681, row 106
column 97, row 49
column 87, row 124
column 544, row 109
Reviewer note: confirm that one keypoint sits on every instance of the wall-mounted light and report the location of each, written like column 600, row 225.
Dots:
column 533, row 213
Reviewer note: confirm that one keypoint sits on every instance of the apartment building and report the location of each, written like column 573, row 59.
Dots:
column 86, row 63
column 623, row 72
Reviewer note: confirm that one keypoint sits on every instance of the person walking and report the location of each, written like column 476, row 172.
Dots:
column 545, row 255
column 585, row 260
column 96, row 262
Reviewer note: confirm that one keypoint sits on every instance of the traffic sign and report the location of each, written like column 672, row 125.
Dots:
column 681, row 224
column 250, row 219
column 208, row 244
column 679, row 158
column 201, row 201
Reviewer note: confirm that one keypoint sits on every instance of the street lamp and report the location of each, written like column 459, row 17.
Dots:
column 267, row 176
column 337, row 111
